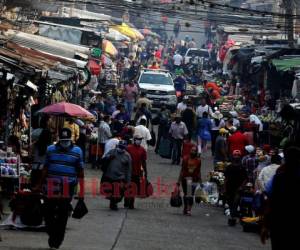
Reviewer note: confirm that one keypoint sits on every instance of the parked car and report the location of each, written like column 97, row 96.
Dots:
column 159, row 87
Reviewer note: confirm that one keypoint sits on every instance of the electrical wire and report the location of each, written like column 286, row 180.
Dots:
column 181, row 17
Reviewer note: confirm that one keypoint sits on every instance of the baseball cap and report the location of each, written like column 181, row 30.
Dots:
column 65, row 134
column 250, row 149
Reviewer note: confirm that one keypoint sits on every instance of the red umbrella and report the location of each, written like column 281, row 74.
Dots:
column 67, row 109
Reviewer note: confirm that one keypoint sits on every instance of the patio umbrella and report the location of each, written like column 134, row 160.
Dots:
column 67, row 109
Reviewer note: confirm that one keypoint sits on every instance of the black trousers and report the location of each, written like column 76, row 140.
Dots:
column 129, row 197
column 232, row 199
column 56, row 217
column 176, row 150
column 189, row 192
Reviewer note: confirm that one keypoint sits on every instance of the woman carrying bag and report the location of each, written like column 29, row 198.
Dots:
column 190, row 176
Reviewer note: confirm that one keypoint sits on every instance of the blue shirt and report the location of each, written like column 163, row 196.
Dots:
column 63, row 166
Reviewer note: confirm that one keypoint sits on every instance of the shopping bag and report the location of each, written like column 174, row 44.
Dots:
column 176, row 199
column 165, row 148
column 146, row 189
column 199, row 194
column 80, row 210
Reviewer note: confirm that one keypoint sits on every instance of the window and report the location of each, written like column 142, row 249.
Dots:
column 200, row 53
column 156, row 79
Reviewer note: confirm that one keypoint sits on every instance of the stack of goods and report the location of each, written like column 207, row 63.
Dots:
column 9, row 166
column 219, row 179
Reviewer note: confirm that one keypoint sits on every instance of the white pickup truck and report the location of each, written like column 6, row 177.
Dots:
column 159, row 87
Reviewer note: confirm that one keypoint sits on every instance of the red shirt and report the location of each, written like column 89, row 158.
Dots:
column 191, row 168
column 237, row 141
column 153, row 67
column 138, row 155
column 186, row 149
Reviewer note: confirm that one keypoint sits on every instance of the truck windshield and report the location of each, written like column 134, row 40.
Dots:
column 199, row 53
column 156, row 79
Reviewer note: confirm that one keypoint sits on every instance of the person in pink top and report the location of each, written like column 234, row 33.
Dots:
column 130, row 94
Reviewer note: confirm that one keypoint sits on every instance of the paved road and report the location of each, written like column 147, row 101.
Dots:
column 153, row 225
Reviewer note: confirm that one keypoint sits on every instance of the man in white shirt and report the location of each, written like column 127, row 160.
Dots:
column 203, row 107
column 104, row 130
column 142, row 131
column 178, row 131
column 181, row 106
column 177, row 59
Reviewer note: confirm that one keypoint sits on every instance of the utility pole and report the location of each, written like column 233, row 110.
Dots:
column 289, row 11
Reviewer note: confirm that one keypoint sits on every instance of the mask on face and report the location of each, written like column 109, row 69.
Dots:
column 137, row 142
column 65, row 144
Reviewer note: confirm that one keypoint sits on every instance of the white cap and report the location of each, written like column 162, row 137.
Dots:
column 250, row 149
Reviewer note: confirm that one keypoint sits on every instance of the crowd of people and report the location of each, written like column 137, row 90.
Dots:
column 124, row 128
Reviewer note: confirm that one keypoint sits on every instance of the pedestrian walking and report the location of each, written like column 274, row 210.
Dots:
column 203, row 107
column 235, row 177
column 217, row 123
column 178, row 131
column 189, row 118
column 204, row 136
column 139, row 169
column 144, row 132
column 163, row 121
column 117, row 165
column 190, row 175
column 130, row 94
column 62, row 171
column 250, row 162
column 221, row 147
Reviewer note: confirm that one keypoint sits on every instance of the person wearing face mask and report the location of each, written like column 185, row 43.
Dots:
column 63, row 168
column 117, row 165
column 190, row 174
column 139, row 166
column 178, row 131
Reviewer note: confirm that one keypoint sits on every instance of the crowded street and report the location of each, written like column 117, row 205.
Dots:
column 153, row 225
column 159, row 124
